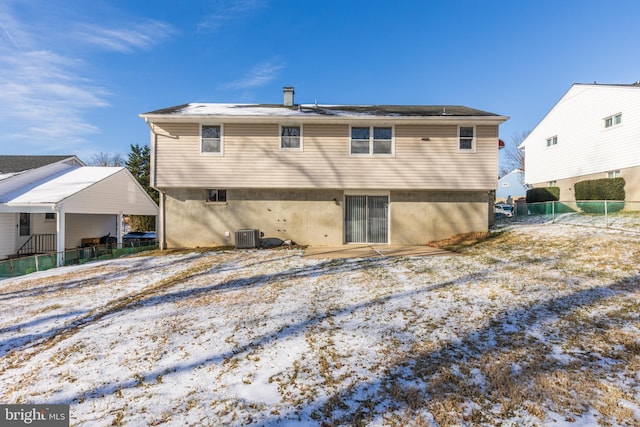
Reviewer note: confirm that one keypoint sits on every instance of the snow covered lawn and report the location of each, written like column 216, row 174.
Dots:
column 538, row 325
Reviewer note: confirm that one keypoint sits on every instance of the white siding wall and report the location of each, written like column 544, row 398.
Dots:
column 584, row 145
column 80, row 226
column 7, row 234
column 117, row 193
column 40, row 225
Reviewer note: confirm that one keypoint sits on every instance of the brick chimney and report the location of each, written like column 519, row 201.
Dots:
column 288, row 96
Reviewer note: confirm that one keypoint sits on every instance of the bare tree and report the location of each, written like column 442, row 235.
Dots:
column 106, row 159
column 513, row 157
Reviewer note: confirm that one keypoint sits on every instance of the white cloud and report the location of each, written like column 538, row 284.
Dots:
column 46, row 92
column 225, row 12
column 125, row 40
column 260, row 75
column 44, row 99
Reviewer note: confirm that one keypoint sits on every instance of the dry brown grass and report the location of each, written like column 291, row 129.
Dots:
column 459, row 241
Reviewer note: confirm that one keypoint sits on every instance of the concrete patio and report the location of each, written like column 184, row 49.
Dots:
column 369, row 251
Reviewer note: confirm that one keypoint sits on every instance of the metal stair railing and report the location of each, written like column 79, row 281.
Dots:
column 38, row 244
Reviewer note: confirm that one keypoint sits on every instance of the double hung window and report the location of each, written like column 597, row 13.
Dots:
column 372, row 140
column 211, row 141
column 290, row 137
column 466, row 138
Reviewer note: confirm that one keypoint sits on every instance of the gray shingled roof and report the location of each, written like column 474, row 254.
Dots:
column 12, row 164
column 321, row 110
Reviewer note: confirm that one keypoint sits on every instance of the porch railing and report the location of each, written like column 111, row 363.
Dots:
column 38, row 244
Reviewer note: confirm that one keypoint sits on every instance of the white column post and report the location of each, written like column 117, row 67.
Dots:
column 119, row 230
column 60, row 232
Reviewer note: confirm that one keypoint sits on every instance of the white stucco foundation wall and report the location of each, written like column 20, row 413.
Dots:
column 315, row 217
column 420, row 217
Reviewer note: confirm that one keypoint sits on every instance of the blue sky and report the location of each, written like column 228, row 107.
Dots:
column 75, row 74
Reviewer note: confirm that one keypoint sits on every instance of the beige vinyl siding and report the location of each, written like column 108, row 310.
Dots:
column 252, row 159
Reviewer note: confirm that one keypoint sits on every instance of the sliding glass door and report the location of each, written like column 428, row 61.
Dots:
column 366, row 219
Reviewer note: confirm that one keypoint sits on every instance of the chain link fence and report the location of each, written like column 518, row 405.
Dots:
column 25, row 265
column 595, row 213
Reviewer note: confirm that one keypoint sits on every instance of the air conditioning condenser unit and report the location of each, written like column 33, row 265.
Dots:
column 247, row 239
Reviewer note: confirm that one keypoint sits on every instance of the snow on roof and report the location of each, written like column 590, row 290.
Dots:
column 7, row 175
column 314, row 110
column 61, row 187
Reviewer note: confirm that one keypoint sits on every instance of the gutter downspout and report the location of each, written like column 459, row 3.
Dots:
column 160, row 220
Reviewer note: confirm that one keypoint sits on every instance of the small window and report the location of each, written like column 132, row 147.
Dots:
column 216, row 195
column 290, row 137
column 552, row 141
column 211, row 139
column 25, row 224
column 553, row 183
column 49, row 216
column 613, row 174
column 466, row 138
column 371, row 140
column 614, row 120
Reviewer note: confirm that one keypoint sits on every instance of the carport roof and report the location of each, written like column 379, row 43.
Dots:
column 57, row 189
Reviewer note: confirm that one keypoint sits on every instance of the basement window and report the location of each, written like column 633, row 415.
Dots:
column 216, row 195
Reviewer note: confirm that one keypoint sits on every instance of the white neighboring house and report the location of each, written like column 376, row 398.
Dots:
column 50, row 203
column 511, row 185
column 592, row 132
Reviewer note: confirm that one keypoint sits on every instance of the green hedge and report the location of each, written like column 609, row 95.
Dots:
column 537, row 198
column 543, row 194
column 600, row 189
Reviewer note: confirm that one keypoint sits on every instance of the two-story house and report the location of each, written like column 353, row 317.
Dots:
column 592, row 132
column 322, row 174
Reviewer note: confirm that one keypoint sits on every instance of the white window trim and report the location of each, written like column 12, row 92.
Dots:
column 613, row 119
column 285, row 125
column 553, row 144
column 474, row 139
column 208, row 153
column 371, row 131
